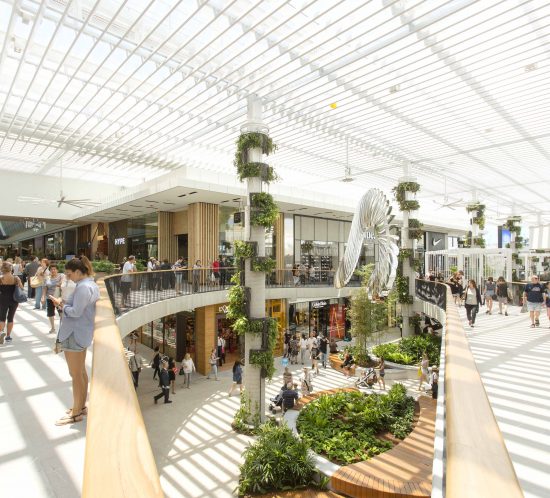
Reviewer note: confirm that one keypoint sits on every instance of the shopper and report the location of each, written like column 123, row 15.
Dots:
column 135, row 363
column 534, row 296
column 8, row 305
column 423, row 370
column 323, row 347
column 502, row 296
column 435, row 382
column 172, row 372
column 52, row 287
column 472, row 302
column 178, row 271
column 348, row 364
column 216, row 271
column 213, row 364
column 221, row 349
column 30, row 271
column 126, row 280
column 196, row 275
column 188, row 368
column 155, row 362
column 306, row 384
column 294, row 350
column 290, row 396
column 382, row 374
column 237, row 377
column 164, row 384
column 303, row 348
column 287, row 376
column 547, row 300
column 76, row 332
column 41, row 275
column 223, row 271
column 490, row 294
column 287, row 337
column 315, row 356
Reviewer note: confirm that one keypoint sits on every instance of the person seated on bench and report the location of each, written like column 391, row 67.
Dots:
column 348, row 364
column 333, row 346
column 290, row 396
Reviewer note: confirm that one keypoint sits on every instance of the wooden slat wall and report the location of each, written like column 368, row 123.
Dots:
column 205, row 326
column 168, row 243
column 279, row 230
column 203, row 233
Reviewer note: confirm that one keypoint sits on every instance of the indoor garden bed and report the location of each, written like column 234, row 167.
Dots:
column 349, row 427
column 408, row 351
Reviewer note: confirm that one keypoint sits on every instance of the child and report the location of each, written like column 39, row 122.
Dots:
column 306, row 385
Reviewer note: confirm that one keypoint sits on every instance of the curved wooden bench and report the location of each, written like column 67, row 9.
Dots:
column 404, row 471
column 335, row 363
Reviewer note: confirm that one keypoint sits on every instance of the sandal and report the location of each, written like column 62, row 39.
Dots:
column 84, row 411
column 70, row 419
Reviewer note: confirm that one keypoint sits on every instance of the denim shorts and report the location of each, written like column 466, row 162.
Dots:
column 70, row 344
column 534, row 306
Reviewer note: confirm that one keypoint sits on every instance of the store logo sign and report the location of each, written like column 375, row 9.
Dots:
column 369, row 236
column 319, row 304
column 120, row 241
column 223, row 309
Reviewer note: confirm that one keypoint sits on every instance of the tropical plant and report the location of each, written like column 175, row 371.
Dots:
column 409, row 350
column 244, row 250
column 402, row 289
column 243, row 422
column 265, row 264
column 278, row 460
column 346, row 427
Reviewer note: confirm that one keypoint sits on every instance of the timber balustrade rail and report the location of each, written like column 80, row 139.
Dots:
column 133, row 290
column 118, row 459
column 477, row 463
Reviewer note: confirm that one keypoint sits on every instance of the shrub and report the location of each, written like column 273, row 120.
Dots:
column 276, row 461
column 346, row 426
column 408, row 350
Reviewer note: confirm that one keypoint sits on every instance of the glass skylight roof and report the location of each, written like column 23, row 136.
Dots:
column 123, row 91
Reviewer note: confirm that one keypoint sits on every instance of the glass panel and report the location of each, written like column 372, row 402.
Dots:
column 321, row 229
column 332, row 230
column 308, row 228
column 289, row 240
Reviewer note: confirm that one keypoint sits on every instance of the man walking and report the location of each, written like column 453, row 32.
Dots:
column 533, row 294
column 164, row 384
column 126, row 279
column 323, row 347
column 30, row 271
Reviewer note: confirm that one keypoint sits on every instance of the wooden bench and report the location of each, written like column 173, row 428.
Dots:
column 405, row 471
column 304, row 400
column 335, row 363
column 301, row 493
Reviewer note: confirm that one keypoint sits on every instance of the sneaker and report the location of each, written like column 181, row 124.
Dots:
column 8, row 339
column 505, row 313
column 2, row 335
column 52, row 331
column 155, row 400
column 169, row 401
column 537, row 323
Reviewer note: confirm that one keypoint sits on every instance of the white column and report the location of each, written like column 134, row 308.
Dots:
column 255, row 385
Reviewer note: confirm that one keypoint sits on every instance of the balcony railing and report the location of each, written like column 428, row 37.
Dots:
column 474, row 458
column 134, row 290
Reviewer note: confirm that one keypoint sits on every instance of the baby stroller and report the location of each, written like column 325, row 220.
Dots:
column 368, row 379
column 276, row 401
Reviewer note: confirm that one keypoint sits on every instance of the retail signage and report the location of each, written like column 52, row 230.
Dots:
column 369, row 235
column 223, row 309
column 120, row 241
column 150, row 241
column 319, row 304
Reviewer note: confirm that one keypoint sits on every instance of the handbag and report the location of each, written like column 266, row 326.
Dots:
column 19, row 295
column 37, row 281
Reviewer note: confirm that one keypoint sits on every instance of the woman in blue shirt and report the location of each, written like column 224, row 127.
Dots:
column 76, row 332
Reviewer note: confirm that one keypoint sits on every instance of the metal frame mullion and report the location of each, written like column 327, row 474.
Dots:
column 9, row 33
column 38, row 67
column 100, row 66
column 221, row 102
column 147, row 59
column 98, row 39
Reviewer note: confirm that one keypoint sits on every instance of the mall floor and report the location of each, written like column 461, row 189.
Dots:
column 196, row 451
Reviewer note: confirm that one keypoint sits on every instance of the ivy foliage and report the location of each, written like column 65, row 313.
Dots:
column 415, row 229
column 346, row 427
column 479, row 217
column 264, row 210
column 265, row 359
column 399, row 193
column 513, row 224
column 244, row 250
column 246, row 169
column 402, row 290
column 243, row 421
column 265, row 264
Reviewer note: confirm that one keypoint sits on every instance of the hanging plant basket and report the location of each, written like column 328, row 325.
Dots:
column 263, row 264
column 245, row 250
column 307, row 246
column 264, row 211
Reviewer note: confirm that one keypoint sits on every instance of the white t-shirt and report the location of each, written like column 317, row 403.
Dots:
column 471, row 296
column 303, row 343
column 312, row 342
column 126, row 270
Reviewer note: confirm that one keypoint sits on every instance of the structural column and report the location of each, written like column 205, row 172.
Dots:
column 168, row 245
column 204, row 237
column 254, row 382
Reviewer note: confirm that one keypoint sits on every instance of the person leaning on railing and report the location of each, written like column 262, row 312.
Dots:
column 76, row 332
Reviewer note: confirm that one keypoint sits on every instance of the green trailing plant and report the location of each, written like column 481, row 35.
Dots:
column 408, row 351
column 402, row 290
column 415, row 229
column 251, row 170
column 409, row 205
column 535, row 260
column 264, row 210
column 404, row 254
column 264, row 359
column 348, row 427
column 243, row 421
column 265, row 264
column 246, row 169
column 453, row 269
column 401, row 188
column 479, row 241
column 519, row 242
column 479, row 217
column 513, row 224
column 414, row 223
column 244, row 250
column 237, row 299
column 276, row 461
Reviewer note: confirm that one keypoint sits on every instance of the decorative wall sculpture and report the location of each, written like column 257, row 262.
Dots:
column 373, row 213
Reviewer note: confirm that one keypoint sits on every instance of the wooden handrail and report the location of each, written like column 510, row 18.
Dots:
column 478, row 464
column 118, row 460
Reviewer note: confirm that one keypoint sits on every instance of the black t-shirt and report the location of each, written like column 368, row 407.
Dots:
column 323, row 345
column 534, row 293
column 287, row 338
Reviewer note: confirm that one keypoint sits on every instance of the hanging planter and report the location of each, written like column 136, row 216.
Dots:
column 400, row 195
column 479, row 217
column 246, row 169
column 245, row 250
column 415, row 229
column 307, row 246
column 264, row 211
column 263, row 264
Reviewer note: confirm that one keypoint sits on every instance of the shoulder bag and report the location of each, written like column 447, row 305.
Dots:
column 19, row 294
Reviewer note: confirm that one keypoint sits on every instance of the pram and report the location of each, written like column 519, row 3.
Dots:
column 276, row 401
column 368, row 379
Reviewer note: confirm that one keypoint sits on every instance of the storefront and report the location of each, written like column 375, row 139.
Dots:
column 135, row 236
column 174, row 334
column 324, row 316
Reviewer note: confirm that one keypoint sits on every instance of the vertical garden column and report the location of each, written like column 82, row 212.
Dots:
column 255, row 281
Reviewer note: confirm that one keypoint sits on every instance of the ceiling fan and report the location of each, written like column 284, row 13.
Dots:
column 448, row 203
column 80, row 203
